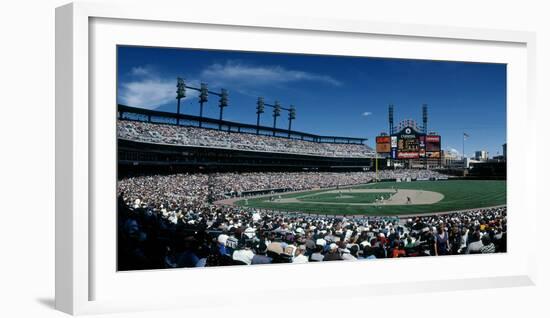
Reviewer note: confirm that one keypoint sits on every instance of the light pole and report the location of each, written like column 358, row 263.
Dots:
column 203, row 98
column 291, row 116
column 276, row 113
column 180, row 93
column 223, row 103
column 425, row 130
column 260, row 108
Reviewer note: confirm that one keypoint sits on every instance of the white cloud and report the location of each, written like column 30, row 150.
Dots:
column 147, row 93
column 140, row 71
column 148, row 90
column 366, row 114
column 452, row 150
column 233, row 72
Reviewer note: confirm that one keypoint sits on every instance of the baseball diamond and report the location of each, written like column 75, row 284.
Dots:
column 425, row 197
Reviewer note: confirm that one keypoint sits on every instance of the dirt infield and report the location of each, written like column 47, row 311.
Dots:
column 399, row 197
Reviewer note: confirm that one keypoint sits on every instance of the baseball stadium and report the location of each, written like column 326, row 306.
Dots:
column 362, row 186
column 198, row 191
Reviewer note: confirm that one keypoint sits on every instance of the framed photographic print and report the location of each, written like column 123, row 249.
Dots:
column 251, row 150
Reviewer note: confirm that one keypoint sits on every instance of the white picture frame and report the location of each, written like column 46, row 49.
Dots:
column 78, row 53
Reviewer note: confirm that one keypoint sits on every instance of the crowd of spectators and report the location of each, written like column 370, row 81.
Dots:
column 169, row 221
column 409, row 174
column 178, row 191
column 236, row 184
column 202, row 137
column 166, row 195
column 225, row 235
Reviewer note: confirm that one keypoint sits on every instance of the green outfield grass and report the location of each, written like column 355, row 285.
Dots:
column 344, row 197
column 458, row 195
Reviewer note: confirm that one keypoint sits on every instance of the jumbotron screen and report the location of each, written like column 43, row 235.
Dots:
column 408, row 145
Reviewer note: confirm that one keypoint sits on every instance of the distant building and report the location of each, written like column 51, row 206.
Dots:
column 449, row 159
column 481, row 155
column 456, row 164
column 471, row 161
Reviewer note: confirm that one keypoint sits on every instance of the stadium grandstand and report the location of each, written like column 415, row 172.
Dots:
column 176, row 173
column 155, row 140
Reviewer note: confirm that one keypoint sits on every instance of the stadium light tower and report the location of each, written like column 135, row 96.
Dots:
column 260, row 108
column 425, row 117
column 276, row 113
column 390, row 118
column 203, row 98
column 180, row 93
column 291, row 116
column 223, row 103
column 425, row 128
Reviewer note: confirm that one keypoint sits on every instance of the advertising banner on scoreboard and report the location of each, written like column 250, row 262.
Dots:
column 407, row 155
column 433, row 154
column 383, row 144
column 394, row 141
column 433, row 147
column 383, row 139
column 383, row 148
column 433, row 143
column 434, row 139
column 422, row 146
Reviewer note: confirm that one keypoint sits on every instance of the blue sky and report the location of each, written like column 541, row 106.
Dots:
column 333, row 95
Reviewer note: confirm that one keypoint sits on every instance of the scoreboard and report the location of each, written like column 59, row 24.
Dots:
column 383, row 144
column 433, row 146
column 409, row 143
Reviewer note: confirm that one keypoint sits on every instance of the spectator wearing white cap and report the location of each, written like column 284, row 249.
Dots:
column 333, row 253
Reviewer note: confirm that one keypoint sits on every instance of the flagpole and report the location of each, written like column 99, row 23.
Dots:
column 376, row 164
column 463, row 138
